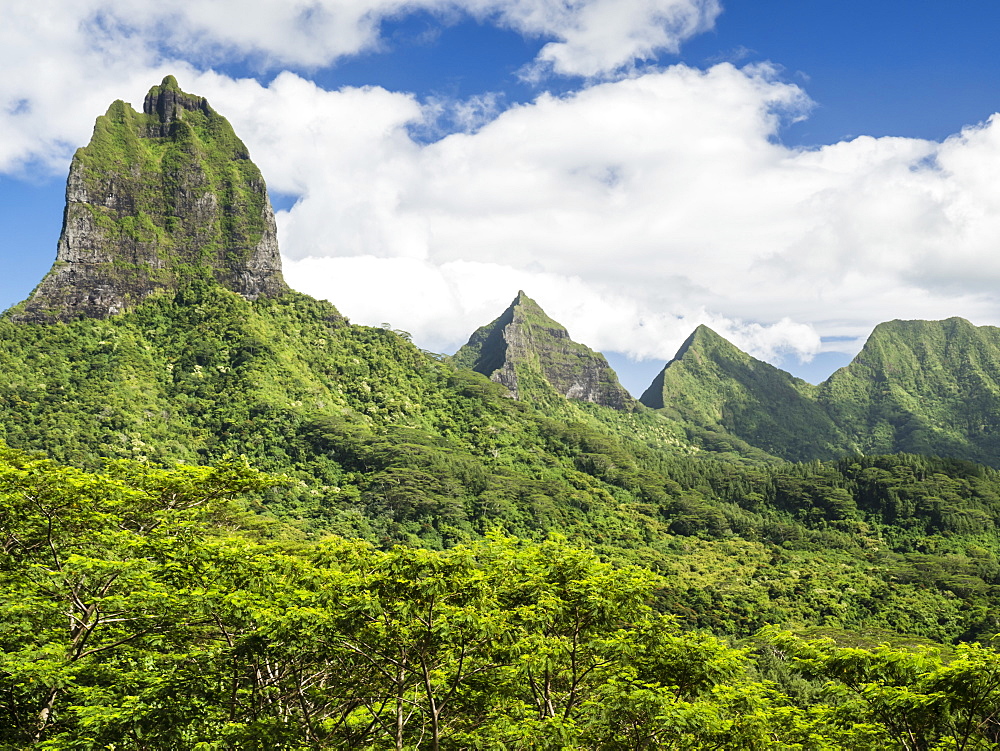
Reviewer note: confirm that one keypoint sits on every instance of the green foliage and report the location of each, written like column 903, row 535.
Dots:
column 918, row 700
column 383, row 442
column 925, row 387
column 130, row 618
column 137, row 614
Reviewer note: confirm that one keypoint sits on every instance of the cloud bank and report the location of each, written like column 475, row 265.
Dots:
column 642, row 204
column 633, row 210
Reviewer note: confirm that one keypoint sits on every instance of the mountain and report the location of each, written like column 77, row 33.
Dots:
column 529, row 353
column 712, row 384
column 144, row 596
column 925, row 387
column 929, row 387
column 165, row 333
column 151, row 197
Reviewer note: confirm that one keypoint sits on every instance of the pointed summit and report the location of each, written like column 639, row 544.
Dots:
column 166, row 102
column 929, row 387
column 702, row 339
column 153, row 197
column 526, row 350
column 714, row 385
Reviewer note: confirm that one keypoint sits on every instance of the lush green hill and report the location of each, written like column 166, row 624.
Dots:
column 930, row 387
column 712, row 384
column 383, row 439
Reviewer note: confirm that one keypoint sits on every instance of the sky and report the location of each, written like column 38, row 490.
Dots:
column 788, row 173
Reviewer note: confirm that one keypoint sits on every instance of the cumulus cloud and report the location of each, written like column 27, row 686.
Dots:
column 441, row 304
column 632, row 209
column 64, row 59
column 609, row 34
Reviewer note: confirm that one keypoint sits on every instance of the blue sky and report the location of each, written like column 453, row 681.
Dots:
column 787, row 173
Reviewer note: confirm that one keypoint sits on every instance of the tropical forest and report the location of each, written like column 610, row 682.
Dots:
column 232, row 519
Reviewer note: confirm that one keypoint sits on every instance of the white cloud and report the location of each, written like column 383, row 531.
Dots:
column 441, row 304
column 64, row 61
column 633, row 209
column 636, row 209
column 612, row 33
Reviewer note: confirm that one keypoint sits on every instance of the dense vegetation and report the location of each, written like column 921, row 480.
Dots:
column 258, row 526
column 142, row 609
column 389, row 444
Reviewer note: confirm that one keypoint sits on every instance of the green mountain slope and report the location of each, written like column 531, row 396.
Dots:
column 532, row 356
column 381, row 439
column 927, row 387
column 712, row 384
column 378, row 440
column 930, row 387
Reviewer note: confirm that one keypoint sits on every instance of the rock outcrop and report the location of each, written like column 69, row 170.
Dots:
column 155, row 196
column 525, row 351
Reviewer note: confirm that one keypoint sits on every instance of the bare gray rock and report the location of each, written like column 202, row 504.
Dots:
column 527, row 352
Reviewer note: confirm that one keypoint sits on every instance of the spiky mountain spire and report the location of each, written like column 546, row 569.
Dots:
column 524, row 349
column 153, row 197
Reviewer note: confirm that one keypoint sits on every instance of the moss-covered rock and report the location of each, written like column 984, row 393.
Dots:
column 531, row 354
column 156, row 196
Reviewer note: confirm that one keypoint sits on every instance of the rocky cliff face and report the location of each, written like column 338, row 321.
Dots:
column 526, row 350
column 155, row 196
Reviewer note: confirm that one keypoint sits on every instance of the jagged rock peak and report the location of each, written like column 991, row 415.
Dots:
column 166, row 100
column 153, row 198
column 524, row 346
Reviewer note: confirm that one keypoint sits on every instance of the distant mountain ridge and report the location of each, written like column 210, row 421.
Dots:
column 928, row 387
